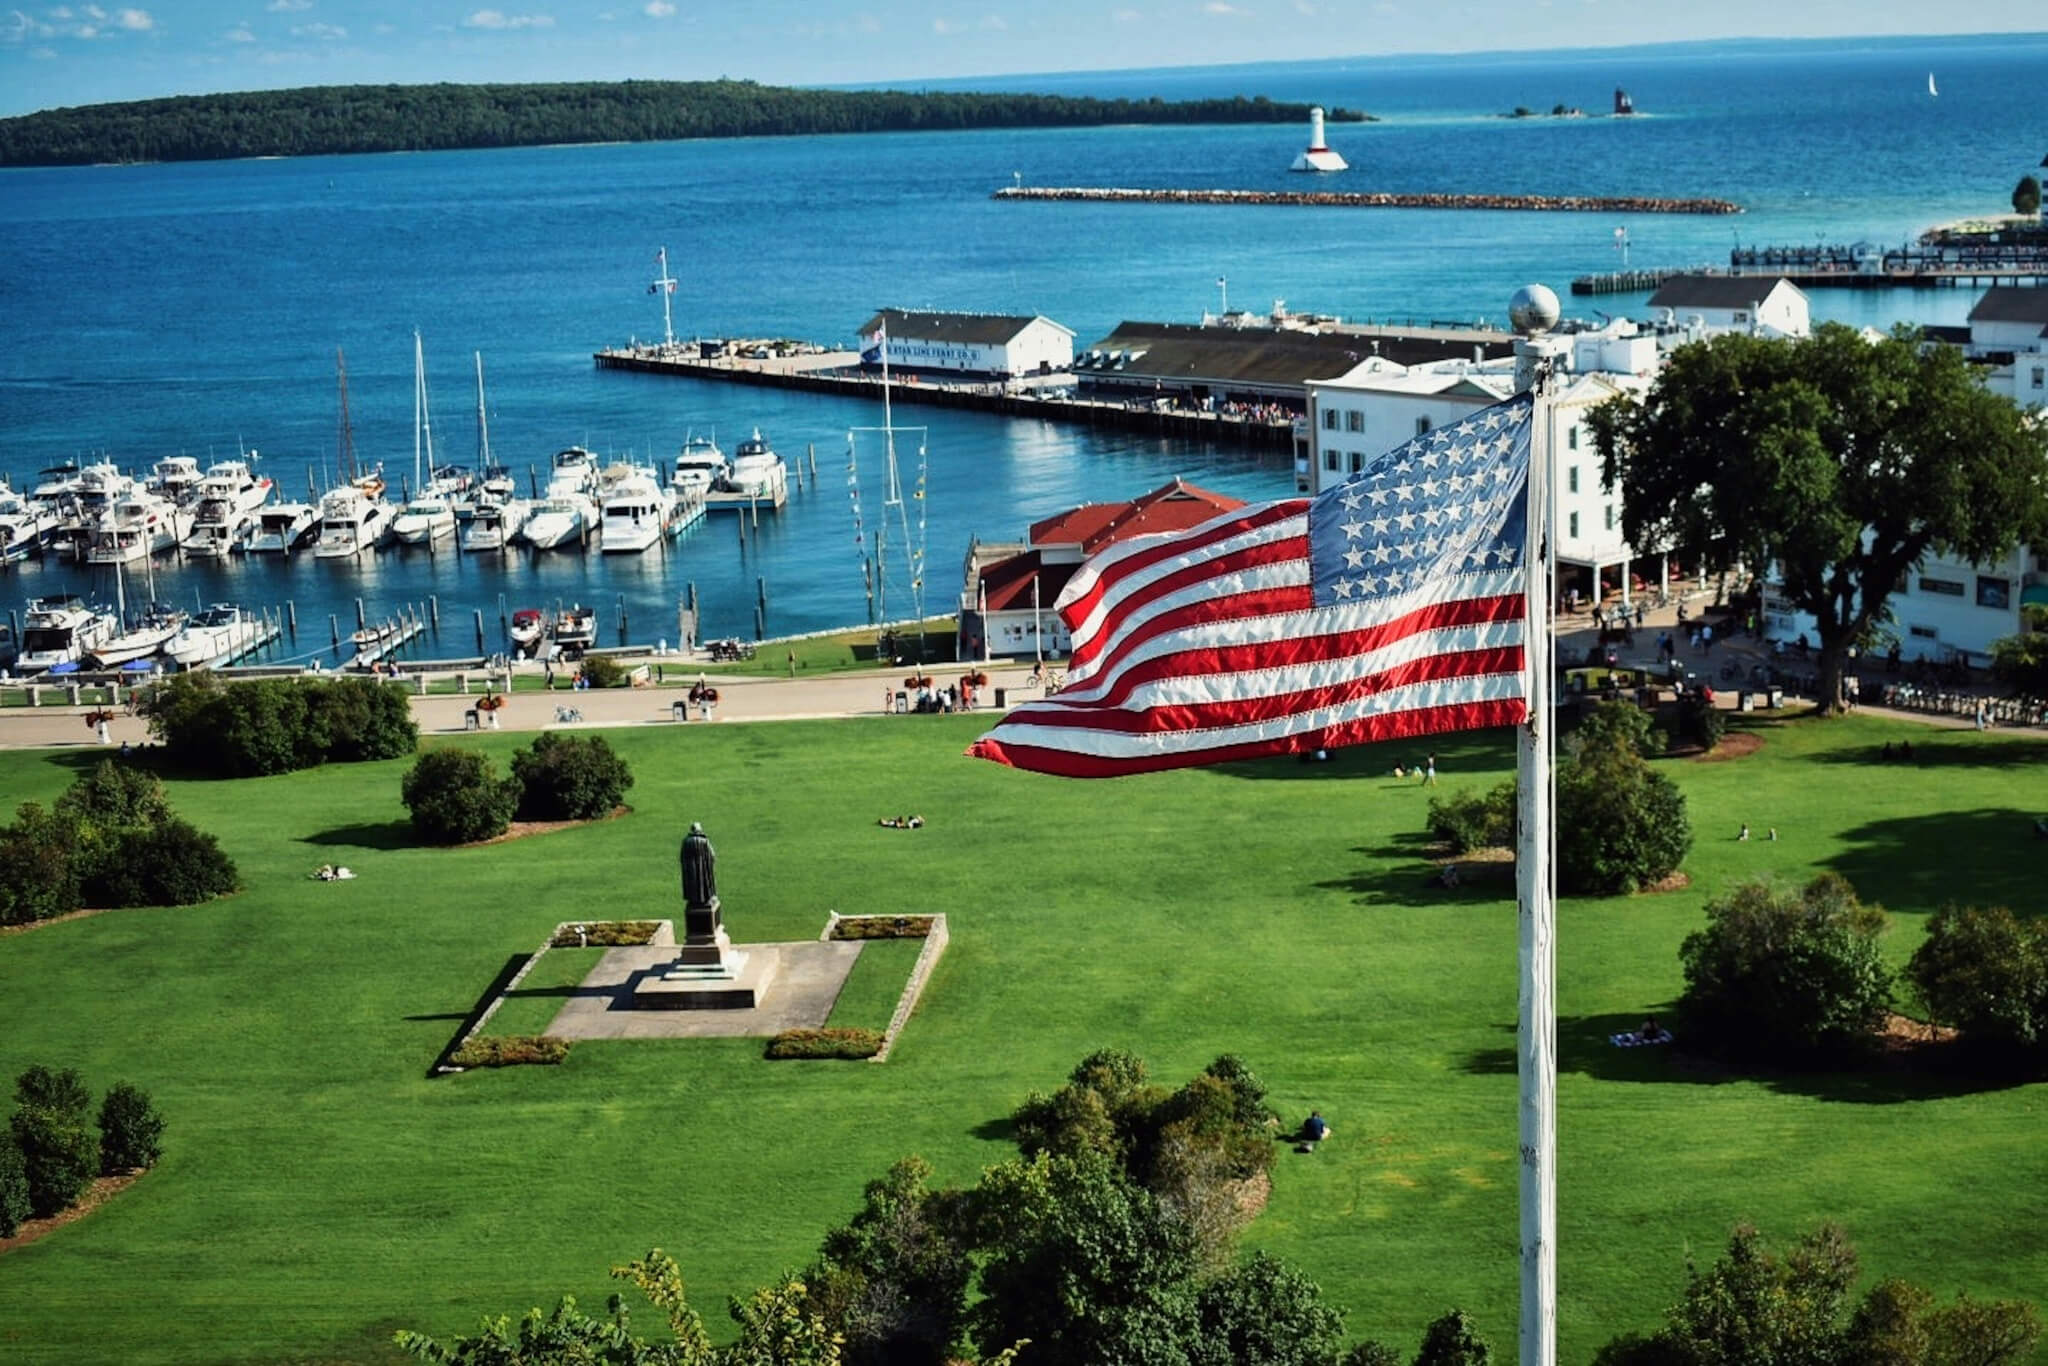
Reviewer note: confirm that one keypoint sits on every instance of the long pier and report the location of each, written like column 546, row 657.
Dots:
column 1859, row 265
column 1377, row 199
column 826, row 374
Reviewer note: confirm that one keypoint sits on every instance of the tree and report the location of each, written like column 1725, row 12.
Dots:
column 1265, row 1313
column 893, row 1281
column 1985, row 972
column 1841, row 462
column 51, row 1124
column 39, row 866
column 566, row 778
column 131, row 1130
column 1778, row 975
column 115, row 796
column 2021, row 662
column 14, row 1201
column 2026, row 197
column 170, row 863
column 456, row 797
column 1451, row 1340
column 1621, row 825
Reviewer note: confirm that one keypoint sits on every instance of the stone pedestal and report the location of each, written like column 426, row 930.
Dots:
column 707, row 973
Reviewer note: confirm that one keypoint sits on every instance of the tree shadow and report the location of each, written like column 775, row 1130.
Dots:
column 1475, row 752
column 1585, row 1047
column 369, row 835
column 469, row 1018
column 1942, row 749
column 1918, row 864
column 1000, row 1130
column 1403, row 872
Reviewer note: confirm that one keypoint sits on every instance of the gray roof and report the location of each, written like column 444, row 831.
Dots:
column 1181, row 353
column 2012, row 304
column 967, row 329
column 1717, row 291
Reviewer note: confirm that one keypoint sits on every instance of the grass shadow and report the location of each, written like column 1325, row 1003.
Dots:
column 1943, row 749
column 1402, row 872
column 369, row 835
column 1585, row 1047
column 499, row 982
column 1918, row 864
column 1002, row 1130
column 1487, row 751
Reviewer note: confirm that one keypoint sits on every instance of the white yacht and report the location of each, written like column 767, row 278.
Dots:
column 148, row 635
column 60, row 631
column 222, row 632
column 700, row 465
column 175, row 477
column 638, row 510
column 25, row 526
column 234, row 479
column 91, row 498
column 575, row 630
column 528, row 626
column 135, row 528
column 282, row 528
column 351, row 521
column 55, row 484
column 565, row 517
column 573, row 468
column 756, row 469
column 229, row 497
column 424, row 520
column 494, row 525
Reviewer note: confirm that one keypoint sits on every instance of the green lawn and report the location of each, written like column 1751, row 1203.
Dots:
column 319, row 1189
column 868, row 999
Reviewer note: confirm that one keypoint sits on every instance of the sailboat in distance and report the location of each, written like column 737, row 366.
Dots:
column 1930, row 84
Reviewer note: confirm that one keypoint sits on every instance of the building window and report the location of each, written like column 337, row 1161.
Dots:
column 1571, row 436
column 1422, row 426
column 1995, row 593
column 1357, row 461
column 1923, row 632
column 1572, row 527
column 1742, row 317
column 1610, row 516
column 1946, row 587
column 1330, row 459
column 1329, row 419
column 1571, row 478
column 1355, row 420
column 2040, row 375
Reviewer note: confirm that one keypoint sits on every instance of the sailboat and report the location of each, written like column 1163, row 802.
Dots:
column 353, row 516
column 146, row 636
column 429, row 515
column 495, row 513
column 875, row 570
column 1930, row 84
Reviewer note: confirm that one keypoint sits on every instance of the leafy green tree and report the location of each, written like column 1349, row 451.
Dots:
column 1372, row 1353
column 778, row 1327
column 1617, row 726
column 39, row 866
column 569, row 778
column 1779, row 975
column 893, row 1282
column 1889, row 1328
column 1621, row 824
column 170, row 863
column 357, row 720
column 1469, row 820
column 1982, row 1332
column 567, row 1336
column 131, row 1130
column 52, row 1129
column 456, row 797
column 2021, row 662
column 1451, row 1340
column 1985, row 972
column 115, row 796
column 1839, row 461
column 2026, row 196
column 1265, row 1313
column 14, row 1201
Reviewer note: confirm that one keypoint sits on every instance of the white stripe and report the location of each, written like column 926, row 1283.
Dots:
column 1284, row 574
column 1103, row 744
column 1340, row 616
column 1089, row 574
column 1200, row 687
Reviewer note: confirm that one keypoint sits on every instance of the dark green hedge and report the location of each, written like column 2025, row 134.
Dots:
column 848, row 1044
column 275, row 725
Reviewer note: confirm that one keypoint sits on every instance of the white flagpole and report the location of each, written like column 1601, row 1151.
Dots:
column 1536, row 897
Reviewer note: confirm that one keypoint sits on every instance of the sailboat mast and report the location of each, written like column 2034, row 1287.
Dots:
column 483, row 424
column 419, row 396
column 665, row 287
column 347, row 441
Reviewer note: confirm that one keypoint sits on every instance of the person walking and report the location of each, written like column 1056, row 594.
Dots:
column 1429, row 770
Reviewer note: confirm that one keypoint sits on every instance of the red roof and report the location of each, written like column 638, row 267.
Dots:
column 1009, row 581
column 1170, row 507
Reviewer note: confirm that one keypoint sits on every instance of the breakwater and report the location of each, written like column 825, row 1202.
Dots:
column 1377, row 199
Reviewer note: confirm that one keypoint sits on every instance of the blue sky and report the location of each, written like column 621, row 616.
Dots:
column 73, row 53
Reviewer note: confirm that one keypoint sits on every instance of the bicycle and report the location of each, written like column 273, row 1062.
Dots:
column 565, row 716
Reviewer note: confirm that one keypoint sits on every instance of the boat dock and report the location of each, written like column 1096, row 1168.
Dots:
column 1376, row 199
column 1860, row 265
column 374, row 643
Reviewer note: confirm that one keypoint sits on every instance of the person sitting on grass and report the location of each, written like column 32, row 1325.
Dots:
column 890, row 822
column 1652, row 1032
column 1315, row 1128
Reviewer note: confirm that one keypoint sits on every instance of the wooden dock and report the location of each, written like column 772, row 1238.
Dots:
column 377, row 643
column 719, row 500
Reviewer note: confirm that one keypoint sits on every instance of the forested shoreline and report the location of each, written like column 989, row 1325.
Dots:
column 328, row 120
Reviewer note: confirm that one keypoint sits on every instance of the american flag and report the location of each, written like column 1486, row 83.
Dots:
column 1390, row 605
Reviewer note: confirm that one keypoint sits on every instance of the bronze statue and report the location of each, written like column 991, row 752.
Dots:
column 700, row 869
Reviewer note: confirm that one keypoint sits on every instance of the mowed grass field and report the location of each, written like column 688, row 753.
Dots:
column 319, row 1190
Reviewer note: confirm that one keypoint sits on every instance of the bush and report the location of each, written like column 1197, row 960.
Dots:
column 1776, row 975
column 14, row 1202
column 51, row 1129
column 361, row 719
column 169, row 864
column 131, row 1130
column 1622, row 725
column 456, row 797
column 39, row 866
column 1621, row 824
column 605, row 933
column 1699, row 722
column 510, row 1050
column 1986, row 973
column 602, row 671
column 882, row 927
column 569, row 778
column 276, row 725
column 1474, row 820
column 850, row 1044
column 115, row 796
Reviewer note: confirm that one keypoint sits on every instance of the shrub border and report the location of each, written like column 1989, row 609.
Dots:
column 935, row 942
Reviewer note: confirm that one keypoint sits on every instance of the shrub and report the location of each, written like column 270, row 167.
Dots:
column 456, row 797
column 1451, row 1340
column 1699, row 722
column 1623, row 725
column 131, row 1130
column 276, row 725
column 569, row 778
column 39, row 866
column 1986, row 973
column 51, row 1129
column 14, row 1202
column 1265, row 1313
column 604, row 933
column 850, row 1044
column 1620, row 823
column 360, row 719
column 1474, row 820
column 882, row 927
column 510, row 1050
column 1776, row 975
column 115, row 796
column 172, row 863
column 602, row 671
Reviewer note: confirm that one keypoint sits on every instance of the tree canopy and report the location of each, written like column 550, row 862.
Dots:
column 323, row 120
column 1834, row 462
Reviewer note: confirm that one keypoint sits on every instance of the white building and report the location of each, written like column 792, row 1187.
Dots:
column 1945, row 610
column 1766, row 305
column 1378, row 405
column 2009, row 331
column 968, row 343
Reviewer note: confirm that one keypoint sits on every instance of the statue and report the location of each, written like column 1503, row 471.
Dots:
column 700, row 864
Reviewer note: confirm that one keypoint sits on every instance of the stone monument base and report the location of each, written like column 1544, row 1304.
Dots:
column 726, row 979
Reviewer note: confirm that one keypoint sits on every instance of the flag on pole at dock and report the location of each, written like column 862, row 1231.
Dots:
column 1390, row 605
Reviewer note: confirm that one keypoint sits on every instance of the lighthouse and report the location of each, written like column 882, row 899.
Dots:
column 1318, row 157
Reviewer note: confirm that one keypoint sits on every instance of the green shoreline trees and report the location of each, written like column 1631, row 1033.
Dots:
column 328, row 120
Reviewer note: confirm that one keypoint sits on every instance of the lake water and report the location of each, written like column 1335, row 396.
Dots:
column 153, row 310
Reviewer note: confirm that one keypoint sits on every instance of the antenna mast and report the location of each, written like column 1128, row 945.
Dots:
column 665, row 287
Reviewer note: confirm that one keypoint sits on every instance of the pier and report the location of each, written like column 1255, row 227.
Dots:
column 837, row 372
column 1860, row 265
column 1376, row 199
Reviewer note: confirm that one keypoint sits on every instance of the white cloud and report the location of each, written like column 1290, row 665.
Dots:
column 134, row 20
column 1219, row 7
column 94, row 12
column 1126, row 16
column 497, row 19
column 945, row 26
column 288, row 6
column 658, row 9
column 993, row 23
column 326, row 33
column 239, row 34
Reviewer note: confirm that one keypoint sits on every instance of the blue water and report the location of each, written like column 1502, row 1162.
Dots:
column 152, row 310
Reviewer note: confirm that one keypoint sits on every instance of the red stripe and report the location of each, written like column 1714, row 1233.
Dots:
column 1364, row 730
column 1286, row 598
column 1243, row 711
column 1141, row 558
column 1293, row 649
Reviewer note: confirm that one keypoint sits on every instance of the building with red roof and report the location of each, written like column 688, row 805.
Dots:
column 1010, row 587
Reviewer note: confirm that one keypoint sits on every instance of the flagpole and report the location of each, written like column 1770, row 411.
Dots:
column 1533, row 312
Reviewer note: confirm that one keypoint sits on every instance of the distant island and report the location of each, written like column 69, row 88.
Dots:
column 328, row 120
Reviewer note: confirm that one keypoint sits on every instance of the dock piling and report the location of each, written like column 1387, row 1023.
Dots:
column 359, row 614
column 334, row 630
column 434, row 606
column 479, row 630
column 291, row 616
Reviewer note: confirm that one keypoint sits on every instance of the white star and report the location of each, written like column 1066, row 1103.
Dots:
column 1381, row 554
column 1457, row 483
column 1353, row 530
column 1405, row 521
column 1378, row 496
column 1379, row 525
column 1404, row 493
column 1354, row 559
column 1352, row 498
column 1492, row 421
column 1507, row 554
column 1341, row 587
column 1395, row 579
column 1430, row 458
column 1429, row 488
column 1432, row 516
